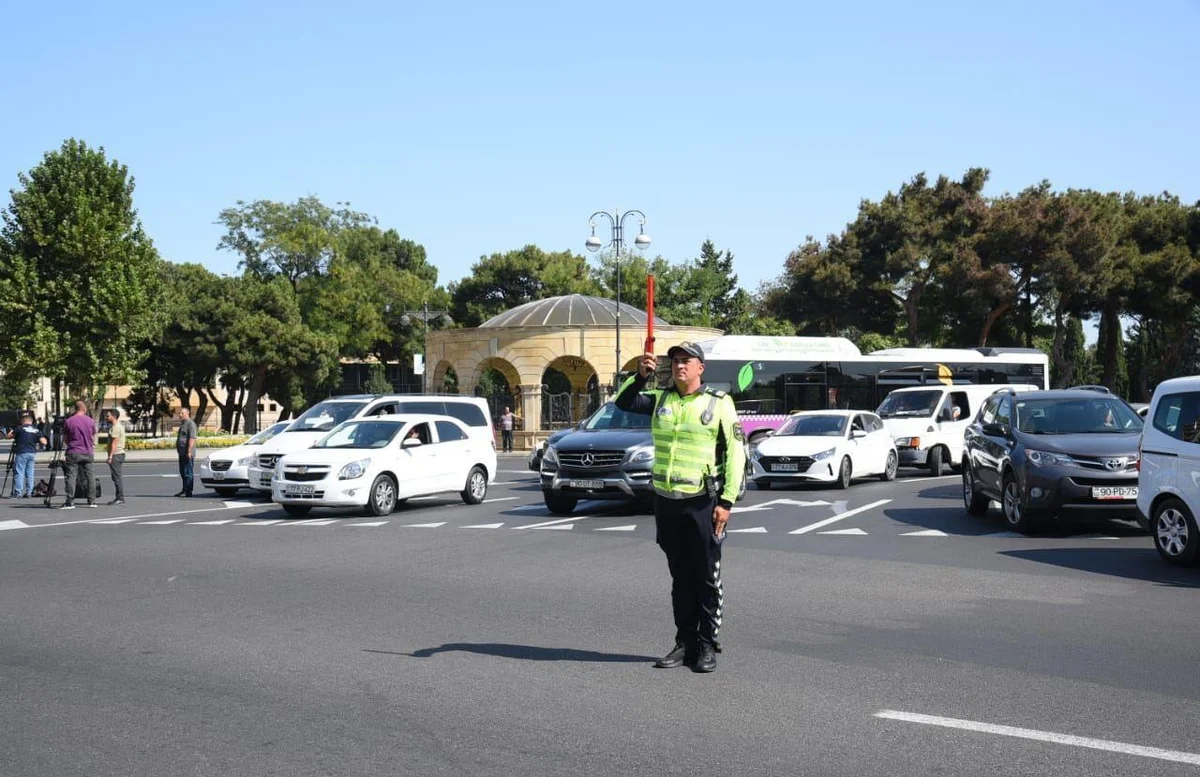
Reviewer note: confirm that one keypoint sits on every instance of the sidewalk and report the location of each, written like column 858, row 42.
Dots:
column 44, row 457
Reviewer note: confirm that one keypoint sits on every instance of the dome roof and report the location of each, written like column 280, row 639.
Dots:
column 569, row 310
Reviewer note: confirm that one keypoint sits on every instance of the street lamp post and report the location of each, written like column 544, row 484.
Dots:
column 616, row 220
column 425, row 315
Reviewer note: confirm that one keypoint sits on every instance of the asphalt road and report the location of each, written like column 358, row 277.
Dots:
column 212, row 637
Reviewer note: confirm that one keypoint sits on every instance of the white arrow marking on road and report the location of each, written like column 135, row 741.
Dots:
column 10, row 525
column 846, row 532
column 232, row 505
column 630, row 527
column 838, row 517
column 212, row 523
column 483, row 526
column 771, row 505
column 1044, row 736
column 160, row 523
column 368, row 523
column 925, row 533
column 551, row 523
column 755, row 530
column 113, row 521
column 425, row 525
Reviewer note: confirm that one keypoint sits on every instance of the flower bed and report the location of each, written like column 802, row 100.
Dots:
column 168, row 443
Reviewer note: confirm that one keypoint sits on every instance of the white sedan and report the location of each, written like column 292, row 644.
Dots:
column 228, row 469
column 829, row 446
column 378, row 462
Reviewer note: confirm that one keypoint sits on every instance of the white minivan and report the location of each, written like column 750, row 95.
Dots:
column 1169, row 478
column 928, row 422
column 320, row 419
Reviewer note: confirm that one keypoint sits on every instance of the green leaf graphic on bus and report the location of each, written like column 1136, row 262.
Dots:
column 745, row 377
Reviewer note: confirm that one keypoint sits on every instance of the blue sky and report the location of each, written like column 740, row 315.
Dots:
column 480, row 127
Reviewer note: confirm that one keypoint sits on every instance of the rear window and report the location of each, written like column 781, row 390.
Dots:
column 1178, row 415
column 448, row 432
column 467, row 412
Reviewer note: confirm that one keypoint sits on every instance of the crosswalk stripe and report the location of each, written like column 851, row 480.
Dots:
column 211, row 523
column 368, row 523
column 551, row 523
column 630, row 527
column 925, row 533
column 483, row 526
column 113, row 521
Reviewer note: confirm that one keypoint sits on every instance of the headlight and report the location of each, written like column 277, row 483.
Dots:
column 279, row 467
column 355, row 469
column 824, row 454
column 1044, row 459
column 246, row 462
column 551, row 456
column 908, row 442
column 645, row 453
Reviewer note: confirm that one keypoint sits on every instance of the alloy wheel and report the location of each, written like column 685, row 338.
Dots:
column 1171, row 531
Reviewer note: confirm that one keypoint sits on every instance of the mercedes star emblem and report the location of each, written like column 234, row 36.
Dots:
column 588, row 459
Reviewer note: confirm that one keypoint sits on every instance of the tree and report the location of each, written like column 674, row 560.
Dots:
column 377, row 381
column 78, row 280
column 500, row 282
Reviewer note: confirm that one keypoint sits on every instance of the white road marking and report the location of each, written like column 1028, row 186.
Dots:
column 161, row 523
column 425, row 525
column 114, row 521
column 551, row 523
column 1176, row 756
column 368, row 523
column 10, row 525
column 838, row 517
column 630, row 527
column 313, row 522
column 134, row 517
column 260, row 523
column 527, row 507
column 771, row 505
column 483, row 526
column 754, row 530
column 558, row 527
column 846, row 532
column 501, row 499
column 212, row 523
column 929, row 479
column 925, row 533
column 232, row 505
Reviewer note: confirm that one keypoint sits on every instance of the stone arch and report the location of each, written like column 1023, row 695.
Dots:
column 505, row 391
column 444, row 369
column 572, row 388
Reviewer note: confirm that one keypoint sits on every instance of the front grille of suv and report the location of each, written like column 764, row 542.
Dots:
column 268, row 460
column 591, row 459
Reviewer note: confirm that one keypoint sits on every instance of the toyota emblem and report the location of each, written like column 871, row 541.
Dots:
column 588, row 459
column 1115, row 465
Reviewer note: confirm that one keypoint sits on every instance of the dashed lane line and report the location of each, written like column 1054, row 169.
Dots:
column 839, row 517
column 552, row 523
column 630, row 527
column 131, row 517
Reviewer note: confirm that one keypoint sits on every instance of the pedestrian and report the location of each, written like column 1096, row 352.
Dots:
column 79, row 434
column 698, row 469
column 506, row 429
column 185, row 446
column 45, row 444
column 26, row 439
column 116, row 453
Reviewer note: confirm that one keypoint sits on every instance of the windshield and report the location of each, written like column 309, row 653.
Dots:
column 610, row 417
column 323, row 416
column 267, row 433
column 1102, row 415
column 899, row 404
column 814, row 426
column 360, row 434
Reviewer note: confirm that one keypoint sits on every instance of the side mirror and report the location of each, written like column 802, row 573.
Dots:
column 410, row 442
column 857, row 434
column 995, row 430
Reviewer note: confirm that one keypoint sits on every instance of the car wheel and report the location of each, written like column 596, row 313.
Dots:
column 226, row 492
column 560, row 505
column 844, row 473
column 1175, row 533
column 1015, row 514
column 889, row 469
column 762, row 485
column 383, row 496
column 976, row 503
column 477, row 486
column 936, row 460
column 296, row 511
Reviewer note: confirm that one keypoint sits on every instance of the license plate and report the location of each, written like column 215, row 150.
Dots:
column 298, row 489
column 1115, row 492
column 785, row 467
column 218, row 476
column 592, row 484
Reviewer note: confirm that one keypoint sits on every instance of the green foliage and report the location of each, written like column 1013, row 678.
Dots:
column 377, row 381
column 16, row 390
column 168, row 443
column 500, row 282
column 78, row 276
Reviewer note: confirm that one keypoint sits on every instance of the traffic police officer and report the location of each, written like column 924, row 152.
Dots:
column 698, row 468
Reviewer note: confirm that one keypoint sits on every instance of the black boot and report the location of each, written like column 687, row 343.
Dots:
column 677, row 657
column 706, row 660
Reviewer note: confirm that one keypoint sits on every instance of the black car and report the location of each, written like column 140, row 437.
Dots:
column 610, row 456
column 1052, row 454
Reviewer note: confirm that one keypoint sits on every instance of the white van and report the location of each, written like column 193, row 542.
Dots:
column 320, row 419
column 928, row 422
column 1169, row 478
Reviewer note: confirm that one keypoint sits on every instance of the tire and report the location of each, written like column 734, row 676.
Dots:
column 296, row 511
column 937, row 460
column 762, row 485
column 845, row 473
column 383, row 496
column 889, row 469
column 559, row 505
column 1174, row 530
column 975, row 502
column 1015, row 514
column 476, row 489
column 226, row 492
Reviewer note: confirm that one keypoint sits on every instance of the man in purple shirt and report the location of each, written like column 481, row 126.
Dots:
column 79, row 434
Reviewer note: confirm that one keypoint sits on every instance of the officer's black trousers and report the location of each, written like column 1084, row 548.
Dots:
column 685, row 533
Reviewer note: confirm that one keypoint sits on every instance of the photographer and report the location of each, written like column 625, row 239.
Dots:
column 26, row 439
column 79, row 434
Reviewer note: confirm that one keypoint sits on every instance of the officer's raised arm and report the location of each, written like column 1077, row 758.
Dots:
column 631, row 397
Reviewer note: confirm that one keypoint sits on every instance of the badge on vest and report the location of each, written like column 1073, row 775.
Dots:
column 664, row 412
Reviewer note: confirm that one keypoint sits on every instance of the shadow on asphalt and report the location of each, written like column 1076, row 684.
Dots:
column 523, row 652
column 1131, row 563
column 952, row 492
column 956, row 521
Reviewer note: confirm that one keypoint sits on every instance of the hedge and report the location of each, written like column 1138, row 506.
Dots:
column 168, row 443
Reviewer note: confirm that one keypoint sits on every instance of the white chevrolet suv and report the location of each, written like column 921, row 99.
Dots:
column 1169, row 481
column 320, row 419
